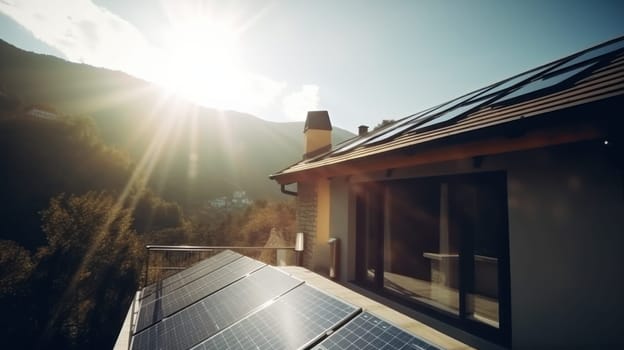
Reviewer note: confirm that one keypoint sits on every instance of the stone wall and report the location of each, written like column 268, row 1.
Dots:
column 306, row 219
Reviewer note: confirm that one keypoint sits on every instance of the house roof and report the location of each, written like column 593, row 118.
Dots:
column 230, row 301
column 586, row 77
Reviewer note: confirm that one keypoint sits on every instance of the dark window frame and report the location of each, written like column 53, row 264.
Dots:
column 363, row 199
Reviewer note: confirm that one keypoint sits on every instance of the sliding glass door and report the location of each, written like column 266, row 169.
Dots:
column 438, row 243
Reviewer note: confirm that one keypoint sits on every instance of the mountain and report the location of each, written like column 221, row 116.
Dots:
column 192, row 153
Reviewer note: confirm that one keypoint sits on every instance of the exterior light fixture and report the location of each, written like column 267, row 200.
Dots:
column 299, row 242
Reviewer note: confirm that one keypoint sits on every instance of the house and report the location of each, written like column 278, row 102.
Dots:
column 498, row 215
column 41, row 112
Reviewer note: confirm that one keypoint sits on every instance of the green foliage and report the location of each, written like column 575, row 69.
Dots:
column 152, row 213
column 383, row 123
column 265, row 216
column 90, row 269
column 247, row 227
column 16, row 266
column 43, row 158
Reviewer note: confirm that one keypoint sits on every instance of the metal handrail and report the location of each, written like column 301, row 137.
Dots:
column 193, row 248
column 207, row 248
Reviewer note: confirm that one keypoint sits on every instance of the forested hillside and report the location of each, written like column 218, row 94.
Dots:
column 75, row 219
column 71, row 240
column 202, row 153
column 116, row 165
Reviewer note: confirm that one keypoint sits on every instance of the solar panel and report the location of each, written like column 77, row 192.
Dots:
column 167, row 304
column 545, row 82
column 369, row 332
column 205, row 318
column 449, row 115
column 396, row 129
column 203, row 267
column 409, row 123
column 591, row 54
column 295, row 320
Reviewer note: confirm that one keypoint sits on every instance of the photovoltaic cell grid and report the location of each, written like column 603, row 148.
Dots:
column 153, row 311
column 213, row 260
column 295, row 320
column 179, row 279
column 212, row 314
column 526, row 83
column 190, row 278
column 544, row 83
column 591, row 54
column 367, row 332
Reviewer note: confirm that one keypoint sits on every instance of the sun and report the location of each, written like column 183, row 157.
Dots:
column 202, row 62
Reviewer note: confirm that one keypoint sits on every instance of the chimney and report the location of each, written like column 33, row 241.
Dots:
column 362, row 130
column 316, row 134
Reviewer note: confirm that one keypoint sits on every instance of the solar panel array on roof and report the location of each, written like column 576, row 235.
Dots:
column 243, row 304
column 545, row 82
column 594, row 53
column 369, row 332
column 533, row 83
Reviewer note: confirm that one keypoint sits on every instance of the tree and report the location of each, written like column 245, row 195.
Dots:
column 383, row 123
column 265, row 216
column 16, row 266
column 89, row 270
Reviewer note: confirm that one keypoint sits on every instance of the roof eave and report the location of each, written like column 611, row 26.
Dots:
column 447, row 150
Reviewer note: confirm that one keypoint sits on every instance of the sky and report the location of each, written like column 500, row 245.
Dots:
column 363, row 61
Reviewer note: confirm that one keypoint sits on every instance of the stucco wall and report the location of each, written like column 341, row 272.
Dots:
column 566, row 232
column 566, row 225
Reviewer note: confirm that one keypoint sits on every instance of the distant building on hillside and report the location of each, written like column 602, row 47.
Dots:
column 239, row 199
column 220, row 202
column 41, row 112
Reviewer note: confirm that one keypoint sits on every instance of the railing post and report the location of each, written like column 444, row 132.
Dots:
column 134, row 297
column 333, row 257
column 299, row 249
column 147, row 266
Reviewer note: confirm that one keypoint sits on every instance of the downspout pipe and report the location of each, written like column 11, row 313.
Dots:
column 285, row 191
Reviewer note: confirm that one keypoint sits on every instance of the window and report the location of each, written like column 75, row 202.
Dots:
column 440, row 245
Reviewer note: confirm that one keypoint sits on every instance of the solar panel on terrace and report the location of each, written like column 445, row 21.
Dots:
column 207, row 317
column 295, row 320
column 153, row 311
column 190, row 274
column 369, row 332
